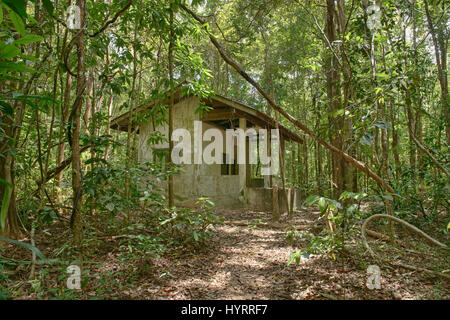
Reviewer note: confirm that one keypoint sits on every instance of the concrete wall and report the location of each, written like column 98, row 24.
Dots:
column 262, row 199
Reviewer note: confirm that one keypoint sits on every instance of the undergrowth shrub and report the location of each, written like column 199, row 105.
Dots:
column 190, row 226
column 105, row 187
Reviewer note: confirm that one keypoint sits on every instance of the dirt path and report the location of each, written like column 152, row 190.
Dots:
column 250, row 262
column 243, row 262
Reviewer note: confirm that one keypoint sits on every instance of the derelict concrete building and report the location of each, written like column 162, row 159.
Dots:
column 229, row 185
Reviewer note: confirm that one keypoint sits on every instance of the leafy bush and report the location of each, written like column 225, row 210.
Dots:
column 105, row 187
column 429, row 198
column 334, row 212
column 190, row 226
column 143, row 245
column 317, row 245
column 329, row 209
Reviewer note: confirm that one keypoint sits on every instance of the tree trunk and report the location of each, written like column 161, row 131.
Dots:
column 171, row 103
column 89, row 102
column 76, row 219
column 64, row 118
column 108, row 126
column 334, row 96
column 440, row 42
column 395, row 146
column 10, row 226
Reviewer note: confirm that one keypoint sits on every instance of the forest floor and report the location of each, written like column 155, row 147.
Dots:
column 247, row 259
column 250, row 262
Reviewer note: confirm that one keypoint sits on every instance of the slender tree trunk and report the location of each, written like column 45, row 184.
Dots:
column 108, row 126
column 138, row 102
column 61, row 147
column 89, row 102
column 395, row 146
column 384, row 163
column 76, row 218
column 440, row 42
column 109, row 112
column 334, row 97
column 318, row 153
column 65, row 109
column 411, row 123
column 132, row 104
column 11, row 227
column 305, row 164
column 171, row 103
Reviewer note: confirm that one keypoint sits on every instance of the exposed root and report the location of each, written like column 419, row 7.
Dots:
column 431, row 272
column 408, row 226
column 377, row 235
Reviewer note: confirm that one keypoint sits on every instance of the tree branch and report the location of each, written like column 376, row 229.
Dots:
column 52, row 173
column 117, row 15
column 358, row 164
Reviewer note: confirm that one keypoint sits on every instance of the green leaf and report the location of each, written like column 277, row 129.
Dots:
column 6, row 108
column 345, row 195
column 27, row 57
column 310, row 200
column 322, row 204
column 195, row 236
column 338, row 113
column 9, row 51
column 335, row 204
column 29, row 38
column 34, row 96
column 17, row 22
column 18, row 6
column 48, row 5
column 13, row 66
column 28, row 246
column 294, row 256
column 382, row 75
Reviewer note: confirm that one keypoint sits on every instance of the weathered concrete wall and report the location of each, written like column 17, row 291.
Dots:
column 183, row 117
column 262, row 199
column 259, row 198
column 196, row 181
